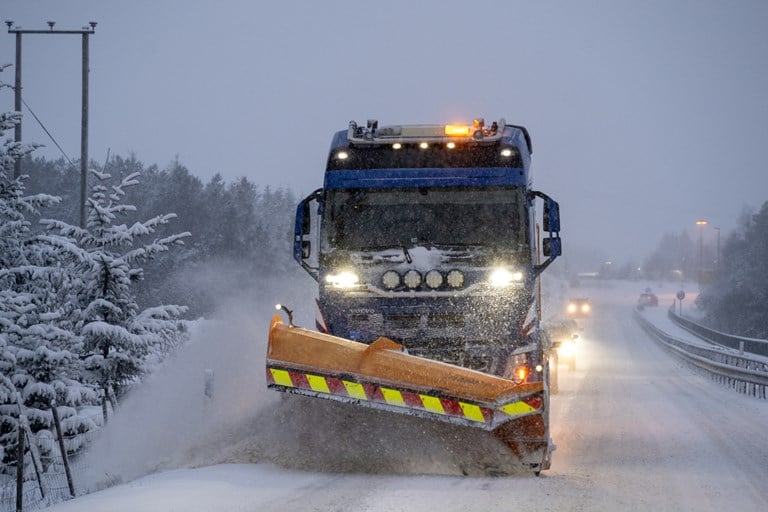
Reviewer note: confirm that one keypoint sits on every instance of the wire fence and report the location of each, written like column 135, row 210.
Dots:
column 51, row 486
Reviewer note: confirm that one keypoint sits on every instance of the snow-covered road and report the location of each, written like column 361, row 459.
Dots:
column 638, row 431
column 634, row 429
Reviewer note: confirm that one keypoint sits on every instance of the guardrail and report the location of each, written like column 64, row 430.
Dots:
column 740, row 343
column 748, row 375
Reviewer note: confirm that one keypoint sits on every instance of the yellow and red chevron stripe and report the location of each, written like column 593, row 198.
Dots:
column 482, row 415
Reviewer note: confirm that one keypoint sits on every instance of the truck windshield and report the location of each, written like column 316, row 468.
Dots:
column 365, row 219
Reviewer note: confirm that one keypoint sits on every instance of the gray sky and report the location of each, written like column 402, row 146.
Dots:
column 645, row 116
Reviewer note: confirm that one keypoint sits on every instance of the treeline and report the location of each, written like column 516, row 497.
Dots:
column 676, row 258
column 736, row 301
column 733, row 273
column 239, row 230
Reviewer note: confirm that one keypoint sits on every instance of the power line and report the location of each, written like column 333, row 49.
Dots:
column 47, row 132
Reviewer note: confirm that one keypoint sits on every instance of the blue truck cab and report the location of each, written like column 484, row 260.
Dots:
column 428, row 235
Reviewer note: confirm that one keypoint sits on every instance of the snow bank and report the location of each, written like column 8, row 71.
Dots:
column 168, row 422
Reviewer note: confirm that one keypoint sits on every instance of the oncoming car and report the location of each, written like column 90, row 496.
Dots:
column 564, row 336
column 578, row 308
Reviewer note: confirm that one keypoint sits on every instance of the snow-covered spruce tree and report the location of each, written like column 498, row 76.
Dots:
column 737, row 301
column 119, row 340
column 36, row 358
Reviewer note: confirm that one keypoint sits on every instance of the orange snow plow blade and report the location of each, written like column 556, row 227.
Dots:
column 381, row 375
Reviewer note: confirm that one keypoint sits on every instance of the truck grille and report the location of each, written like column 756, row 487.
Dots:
column 447, row 320
column 456, row 327
column 402, row 321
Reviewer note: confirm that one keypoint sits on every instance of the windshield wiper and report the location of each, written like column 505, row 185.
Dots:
column 407, row 254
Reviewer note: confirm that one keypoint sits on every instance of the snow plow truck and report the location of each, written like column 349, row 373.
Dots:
column 427, row 249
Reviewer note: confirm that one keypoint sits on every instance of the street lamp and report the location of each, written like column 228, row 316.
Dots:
column 701, row 223
column 717, row 261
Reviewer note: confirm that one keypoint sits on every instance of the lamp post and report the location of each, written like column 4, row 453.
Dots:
column 717, row 260
column 701, row 223
column 85, row 32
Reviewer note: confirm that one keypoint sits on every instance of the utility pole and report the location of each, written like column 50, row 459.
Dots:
column 17, row 101
column 85, row 32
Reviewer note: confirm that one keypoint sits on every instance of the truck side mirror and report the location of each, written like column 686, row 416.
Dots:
column 302, row 249
column 306, row 219
column 551, row 216
column 552, row 247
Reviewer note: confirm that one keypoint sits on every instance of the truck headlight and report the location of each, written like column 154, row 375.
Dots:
column 345, row 279
column 412, row 279
column 390, row 279
column 503, row 277
column 455, row 278
column 434, row 279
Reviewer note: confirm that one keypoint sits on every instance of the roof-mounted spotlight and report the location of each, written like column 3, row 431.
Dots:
column 477, row 127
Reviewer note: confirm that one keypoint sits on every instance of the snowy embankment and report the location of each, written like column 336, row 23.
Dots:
column 635, row 430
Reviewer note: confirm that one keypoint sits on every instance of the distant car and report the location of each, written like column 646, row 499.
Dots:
column 647, row 298
column 563, row 334
column 578, row 308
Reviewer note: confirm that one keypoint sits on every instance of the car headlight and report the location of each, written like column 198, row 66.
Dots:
column 567, row 348
column 345, row 279
column 572, row 308
column 503, row 277
column 585, row 308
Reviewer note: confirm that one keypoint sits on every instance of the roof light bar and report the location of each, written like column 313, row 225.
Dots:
column 372, row 133
column 457, row 130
